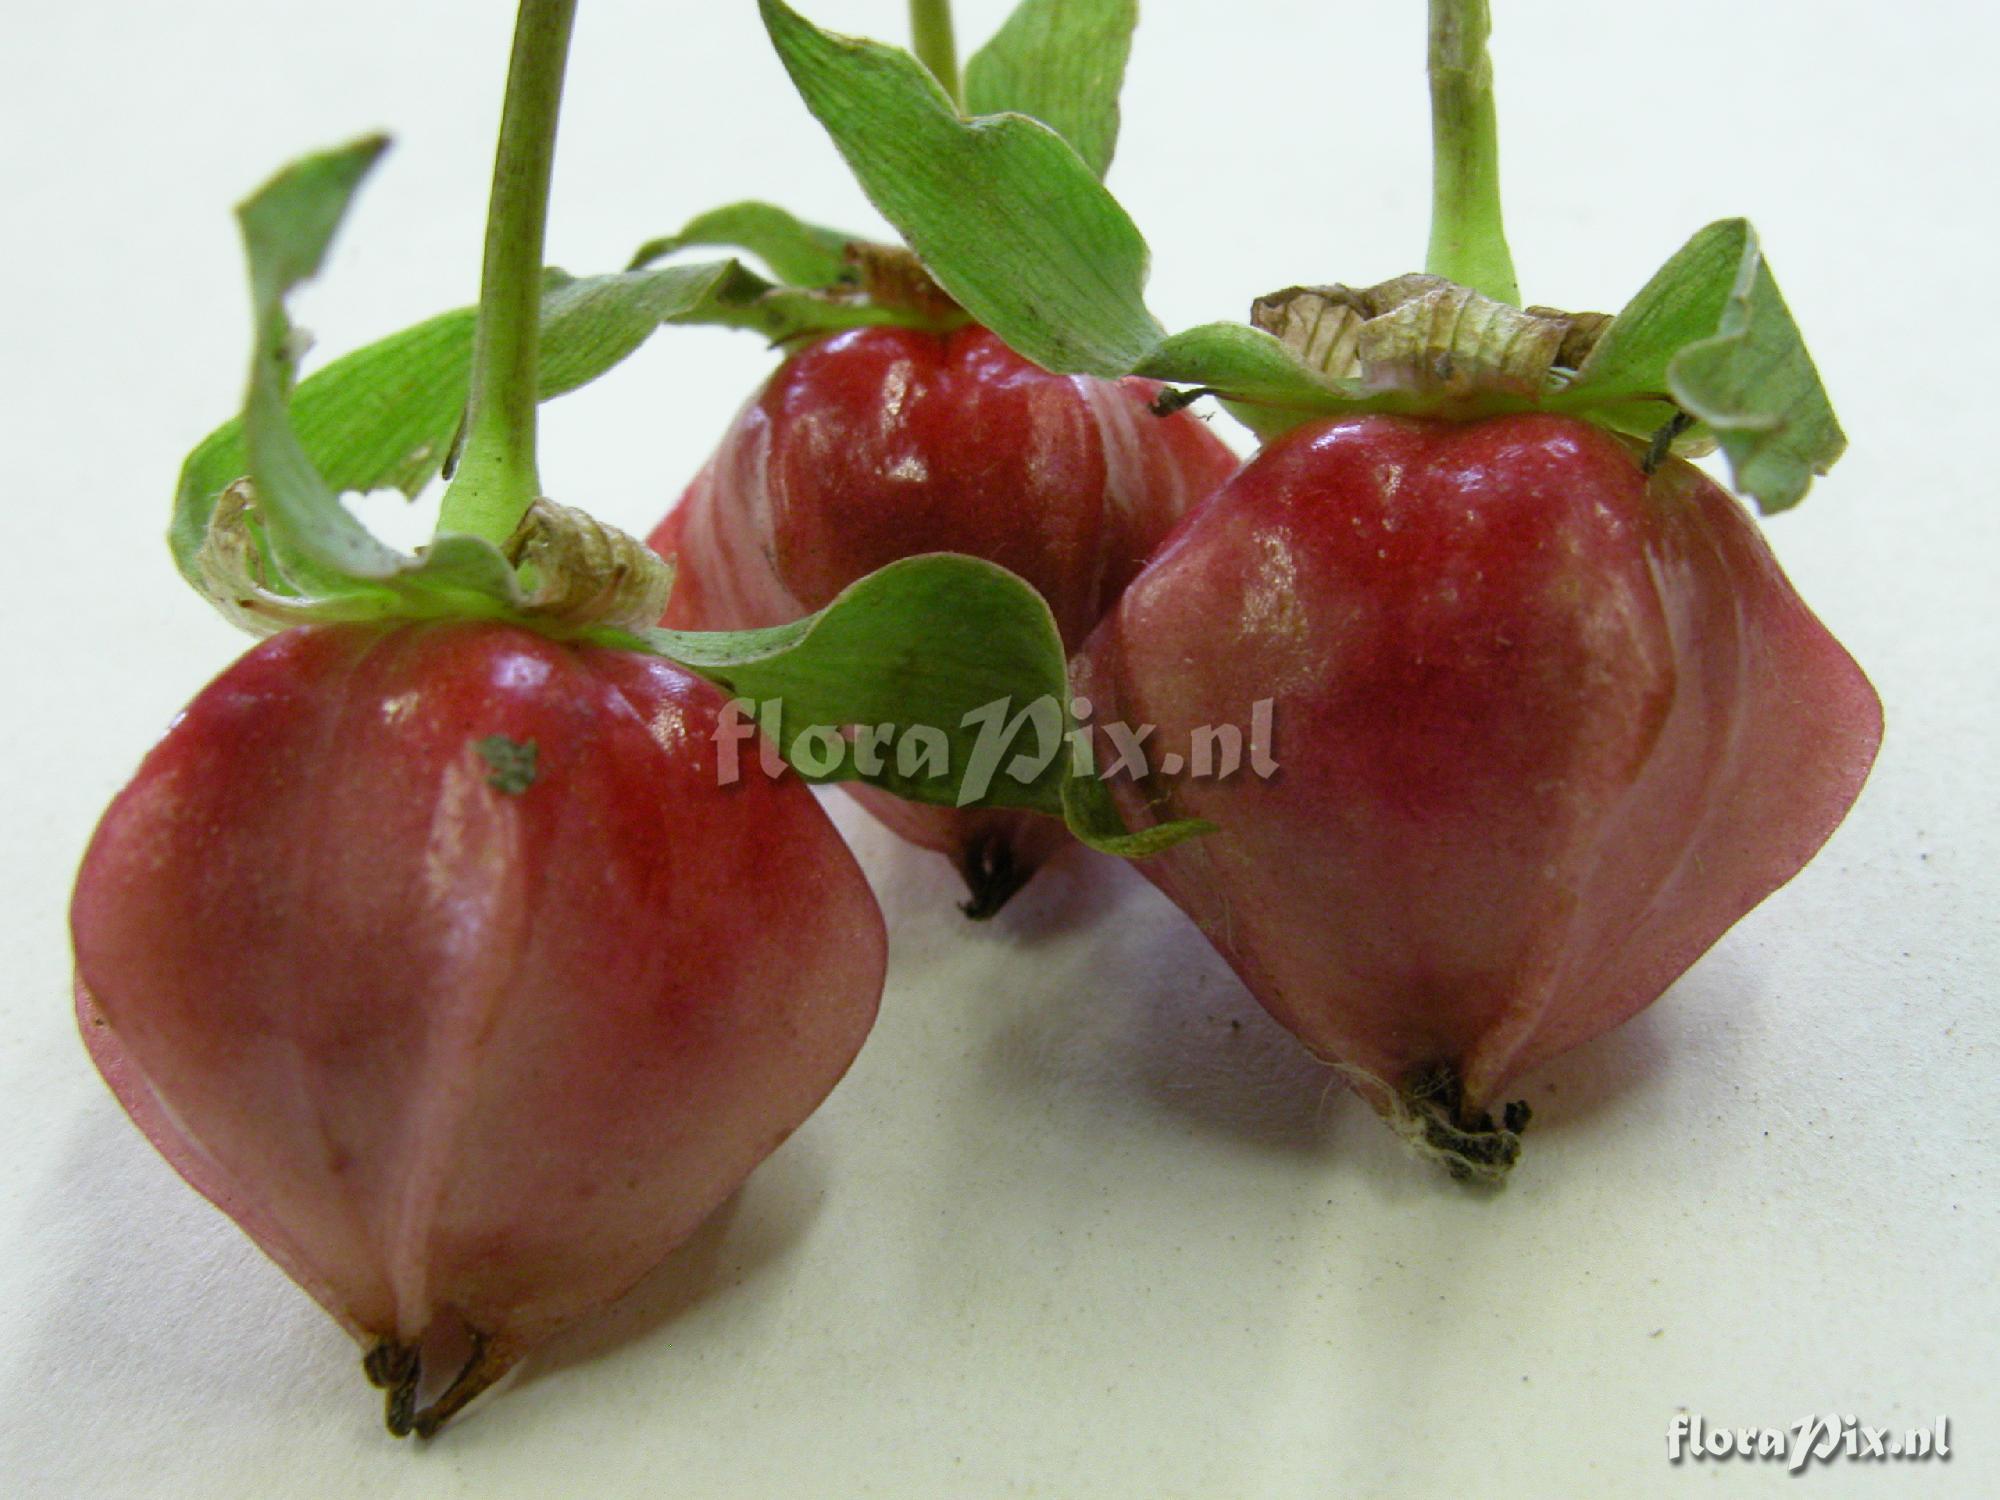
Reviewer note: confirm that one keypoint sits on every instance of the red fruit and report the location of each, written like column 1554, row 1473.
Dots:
column 466, row 1036
column 1545, row 728
column 882, row 443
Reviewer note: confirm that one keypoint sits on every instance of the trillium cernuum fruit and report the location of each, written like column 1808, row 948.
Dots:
column 438, row 958
column 913, row 429
column 1547, row 717
column 1546, row 727
column 882, row 443
column 445, row 942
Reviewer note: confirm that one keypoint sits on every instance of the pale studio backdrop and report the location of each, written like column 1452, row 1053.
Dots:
column 1081, row 1221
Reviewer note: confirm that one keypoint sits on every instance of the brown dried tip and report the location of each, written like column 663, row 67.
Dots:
column 1429, row 1113
column 398, row 1369
column 588, row 573
column 893, row 277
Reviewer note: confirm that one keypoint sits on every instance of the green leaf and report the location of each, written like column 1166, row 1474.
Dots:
column 287, row 227
column 289, row 223
column 1247, row 363
column 383, row 416
column 1093, row 818
column 1682, row 303
column 590, row 324
column 947, row 643
column 926, row 640
column 1755, row 387
column 1711, row 332
column 830, row 276
column 957, row 650
column 1061, row 62
column 386, row 415
column 1007, row 217
column 368, row 421
column 798, row 253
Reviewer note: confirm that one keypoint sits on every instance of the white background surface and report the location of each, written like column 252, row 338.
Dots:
column 1081, row 1221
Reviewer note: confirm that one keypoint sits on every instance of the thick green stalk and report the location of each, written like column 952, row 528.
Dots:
column 936, row 48
column 497, row 479
column 1468, row 239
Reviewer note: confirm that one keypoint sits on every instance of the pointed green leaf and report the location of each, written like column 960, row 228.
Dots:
column 798, row 253
column 1010, row 220
column 1712, row 333
column 313, row 547
column 383, row 416
column 287, row 227
column 1755, row 387
column 1093, row 817
column 1063, row 63
column 1247, row 363
column 950, row 645
column 288, row 224
column 940, row 649
column 590, row 324
column 1682, row 303
column 926, row 640
column 368, row 421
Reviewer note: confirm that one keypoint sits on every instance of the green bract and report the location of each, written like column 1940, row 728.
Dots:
column 798, row 253
column 1016, row 226
column 1712, row 332
column 383, row 417
column 953, row 647
column 1050, row 76
column 964, row 639
column 1040, row 252
column 1061, row 62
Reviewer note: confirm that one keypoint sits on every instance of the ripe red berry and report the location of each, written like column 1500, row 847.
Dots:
column 881, row 443
column 437, row 956
column 1546, row 726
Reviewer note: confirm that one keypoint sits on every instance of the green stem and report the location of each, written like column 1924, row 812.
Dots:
column 931, row 39
column 497, row 480
column 1468, row 239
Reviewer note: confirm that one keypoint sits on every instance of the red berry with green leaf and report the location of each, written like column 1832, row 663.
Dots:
column 917, row 431
column 1548, row 718
column 884, row 443
column 456, row 941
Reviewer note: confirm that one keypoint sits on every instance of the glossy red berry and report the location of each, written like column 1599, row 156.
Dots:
column 881, row 443
column 1545, row 725
column 439, row 958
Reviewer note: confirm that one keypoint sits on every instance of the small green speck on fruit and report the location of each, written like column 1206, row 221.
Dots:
column 513, row 765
